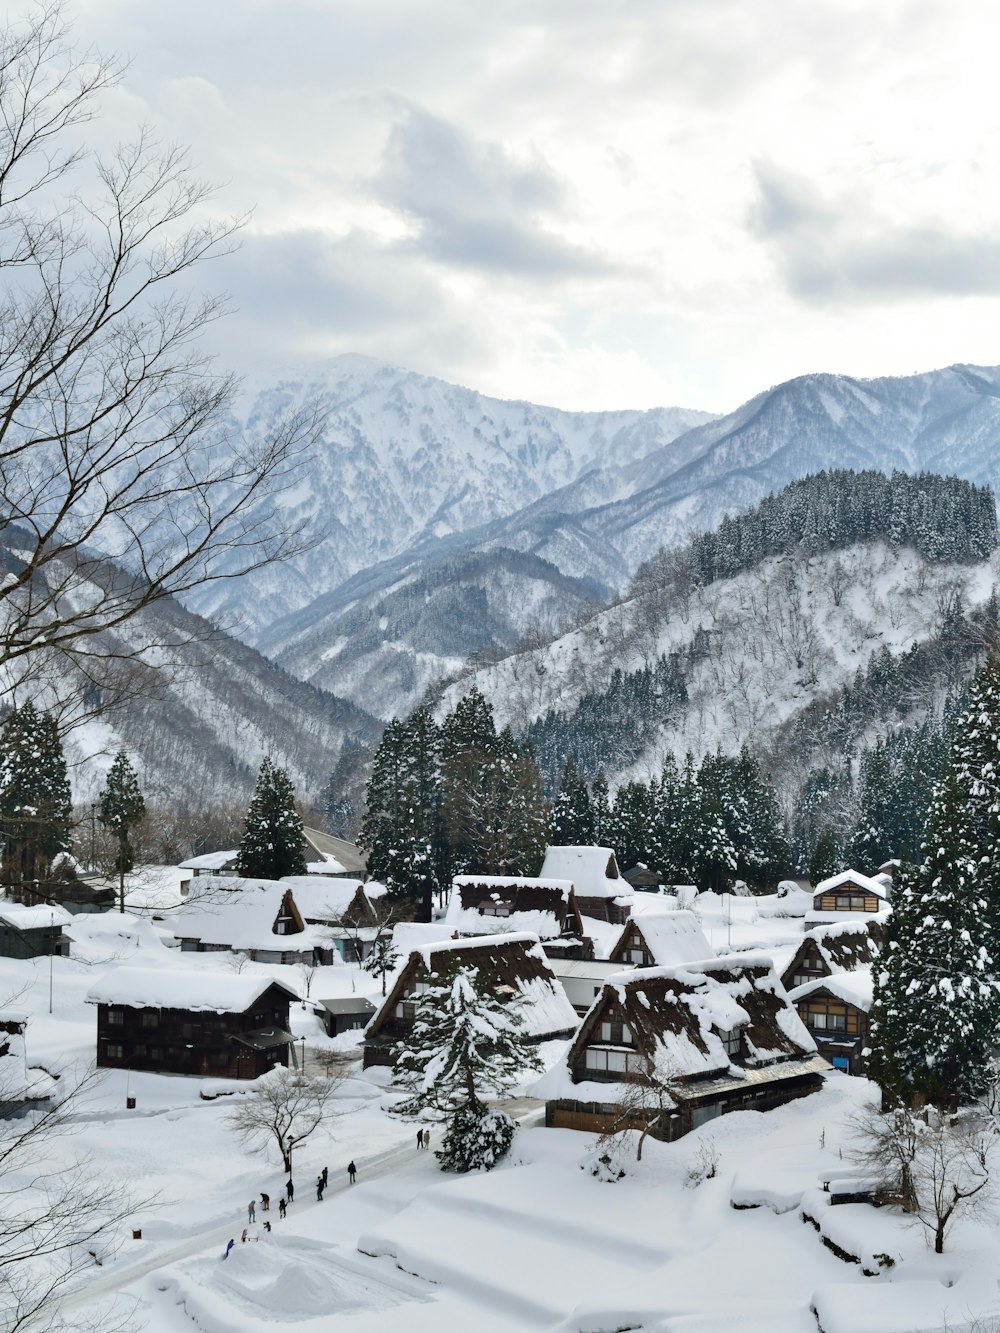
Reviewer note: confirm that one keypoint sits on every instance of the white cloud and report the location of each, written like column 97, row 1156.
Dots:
column 692, row 198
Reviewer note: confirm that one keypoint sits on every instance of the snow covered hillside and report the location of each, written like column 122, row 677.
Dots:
column 755, row 650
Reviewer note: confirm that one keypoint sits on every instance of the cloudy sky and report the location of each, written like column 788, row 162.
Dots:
column 589, row 203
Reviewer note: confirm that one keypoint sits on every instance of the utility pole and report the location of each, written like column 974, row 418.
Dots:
column 93, row 833
column 52, row 923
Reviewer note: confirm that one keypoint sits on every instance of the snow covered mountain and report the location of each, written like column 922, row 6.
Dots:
column 405, row 459
column 945, row 420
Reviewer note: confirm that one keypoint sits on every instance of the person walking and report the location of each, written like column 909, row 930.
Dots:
column 326, row 1175
column 289, row 1190
column 420, row 1138
column 320, row 1186
column 252, row 1210
column 352, row 1171
column 232, row 1242
column 265, row 1203
column 427, row 1139
column 282, row 1207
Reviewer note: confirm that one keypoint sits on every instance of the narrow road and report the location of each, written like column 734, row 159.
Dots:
column 115, row 1275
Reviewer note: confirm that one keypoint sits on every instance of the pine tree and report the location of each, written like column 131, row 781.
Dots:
column 935, row 1012
column 273, row 844
column 572, row 817
column 600, row 807
column 465, row 1045
column 120, row 808
column 35, row 801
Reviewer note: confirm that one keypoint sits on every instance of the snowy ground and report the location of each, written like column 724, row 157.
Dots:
column 538, row 1244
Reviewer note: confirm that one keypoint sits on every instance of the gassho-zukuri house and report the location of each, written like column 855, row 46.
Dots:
column 601, row 892
column 678, row 1046
column 661, row 939
column 497, row 904
column 172, row 1020
column 515, row 966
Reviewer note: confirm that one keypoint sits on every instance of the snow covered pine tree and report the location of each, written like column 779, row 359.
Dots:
column 35, row 805
column 273, row 843
column 465, row 1045
column 121, row 808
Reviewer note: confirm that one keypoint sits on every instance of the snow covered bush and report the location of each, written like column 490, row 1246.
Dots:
column 476, row 1139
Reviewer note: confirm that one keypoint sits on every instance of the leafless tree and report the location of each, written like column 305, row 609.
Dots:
column 643, row 1104
column 121, row 482
column 285, row 1108
column 937, row 1164
column 55, row 1218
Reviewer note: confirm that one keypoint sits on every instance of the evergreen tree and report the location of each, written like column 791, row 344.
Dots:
column 120, row 808
column 386, row 804
column 465, row 1045
column 600, row 807
column 631, row 828
column 273, row 844
column 35, row 802
column 572, row 817
column 975, row 763
column 695, row 847
column 751, row 816
column 935, row 1012
column 343, row 794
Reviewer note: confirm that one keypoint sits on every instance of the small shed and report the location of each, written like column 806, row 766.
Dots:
column 191, row 1021
column 33, row 932
column 641, row 878
column 22, row 1087
column 345, row 1014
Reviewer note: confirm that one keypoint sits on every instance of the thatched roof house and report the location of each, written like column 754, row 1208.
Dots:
column 676, row 1046
column 496, row 904
column 600, row 890
column 514, row 964
column 259, row 918
column 661, row 939
column 829, row 950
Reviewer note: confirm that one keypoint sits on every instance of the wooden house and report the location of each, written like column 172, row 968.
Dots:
column 661, row 939
column 191, row 1021
column 33, row 932
column 593, row 871
column 829, row 950
column 347, row 1013
column 671, row 1048
column 835, row 1009
column 514, row 964
column 847, row 894
column 640, row 878
column 258, row 918
column 496, row 904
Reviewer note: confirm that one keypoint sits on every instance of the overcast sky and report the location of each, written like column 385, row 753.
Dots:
column 590, row 203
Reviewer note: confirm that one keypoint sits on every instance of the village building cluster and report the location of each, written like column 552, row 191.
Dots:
column 662, row 1029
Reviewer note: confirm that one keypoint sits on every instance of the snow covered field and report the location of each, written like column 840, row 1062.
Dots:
column 538, row 1244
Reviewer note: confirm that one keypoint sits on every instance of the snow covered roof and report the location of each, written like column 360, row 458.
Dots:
column 851, row 987
column 677, row 1016
column 182, row 988
column 211, row 860
column 321, row 898
column 491, row 904
column 846, row 878
column 670, row 938
column 19, row 1083
column 593, row 871
column 842, row 945
column 513, row 960
column 329, row 851
column 241, row 914
column 33, row 918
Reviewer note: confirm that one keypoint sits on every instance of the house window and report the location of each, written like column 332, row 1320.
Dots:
column 730, row 1038
column 612, row 1062
column 826, row 1020
column 114, row 1051
column 407, row 1010
column 150, row 1018
column 637, row 956
column 619, row 1034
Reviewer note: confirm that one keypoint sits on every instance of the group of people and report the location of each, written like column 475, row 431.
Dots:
column 287, row 1198
column 423, row 1138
